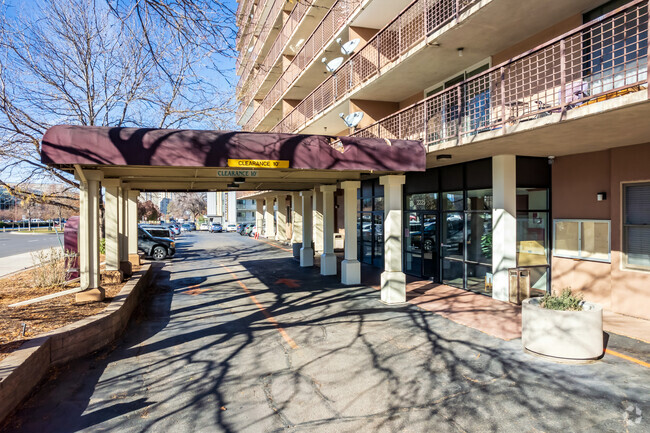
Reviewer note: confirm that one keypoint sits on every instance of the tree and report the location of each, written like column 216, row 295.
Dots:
column 148, row 211
column 182, row 204
column 108, row 63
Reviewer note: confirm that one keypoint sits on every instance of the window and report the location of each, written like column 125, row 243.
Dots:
column 582, row 239
column 636, row 225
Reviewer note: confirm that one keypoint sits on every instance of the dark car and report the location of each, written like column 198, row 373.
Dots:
column 192, row 226
column 152, row 246
column 159, row 231
column 216, row 228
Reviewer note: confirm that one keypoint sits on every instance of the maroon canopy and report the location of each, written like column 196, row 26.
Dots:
column 94, row 145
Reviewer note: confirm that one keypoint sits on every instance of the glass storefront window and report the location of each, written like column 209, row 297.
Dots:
column 479, row 237
column 378, row 257
column 379, row 203
column 532, row 199
column 452, row 200
column 453, row 237
column 427, row 201
column 532, row 238
column 476, row 278
column 452, row 273
column 366, row 204
column 479, row 199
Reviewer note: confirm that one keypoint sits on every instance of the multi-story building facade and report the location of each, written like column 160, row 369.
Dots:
column 228, row 208
column 534, row 117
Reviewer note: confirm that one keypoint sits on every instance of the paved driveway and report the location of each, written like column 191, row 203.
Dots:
column 236, row 337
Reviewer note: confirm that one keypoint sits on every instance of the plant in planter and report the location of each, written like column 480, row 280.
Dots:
column 562, row 326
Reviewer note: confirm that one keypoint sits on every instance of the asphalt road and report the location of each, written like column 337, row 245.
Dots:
column 14, row 243
column 236, row 337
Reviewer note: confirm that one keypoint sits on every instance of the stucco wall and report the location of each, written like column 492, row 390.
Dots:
column 576, row 181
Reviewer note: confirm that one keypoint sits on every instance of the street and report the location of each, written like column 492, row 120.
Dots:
column 12, row 244
column 236, row 337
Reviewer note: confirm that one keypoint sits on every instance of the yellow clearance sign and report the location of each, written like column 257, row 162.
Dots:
column 258, row 163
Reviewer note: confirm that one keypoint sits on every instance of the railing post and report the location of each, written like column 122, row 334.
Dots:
column 457, row 10
column 562, row 77
column 459, row 122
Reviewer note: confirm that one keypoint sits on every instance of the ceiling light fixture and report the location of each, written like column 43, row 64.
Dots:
column 443, row 156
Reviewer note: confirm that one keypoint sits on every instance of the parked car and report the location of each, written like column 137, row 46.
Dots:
column 175, row 228
column 158, row 231
column 231, row 228
column 240, row 227
column 204, row 226
column 216, row 228
column 186, row 227
column 246, row 230
column 156, row 247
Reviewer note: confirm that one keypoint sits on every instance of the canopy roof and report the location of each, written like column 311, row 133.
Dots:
column 187, row 159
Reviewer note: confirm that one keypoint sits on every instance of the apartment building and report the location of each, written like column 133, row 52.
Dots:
column 534, row 116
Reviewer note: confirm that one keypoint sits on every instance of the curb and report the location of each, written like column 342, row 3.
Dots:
column 25, row 368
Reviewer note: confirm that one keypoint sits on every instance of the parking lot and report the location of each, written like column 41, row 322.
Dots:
column 236, row 337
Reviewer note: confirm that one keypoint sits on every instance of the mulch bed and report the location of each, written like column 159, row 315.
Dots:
column 42, row 316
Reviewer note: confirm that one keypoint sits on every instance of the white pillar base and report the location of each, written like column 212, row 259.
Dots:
column 306, row 257
column 328, row 264
column 351, row 272
column 393, row 287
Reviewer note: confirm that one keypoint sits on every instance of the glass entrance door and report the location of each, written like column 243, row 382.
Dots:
column 429, row 245
column 421, row 245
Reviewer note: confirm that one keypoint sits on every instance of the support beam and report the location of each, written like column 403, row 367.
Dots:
column 269, row 230
column 317, row 220
column 393, row 280
column 306, row 252
column 132, row 226
column 296, row 223
column 88, row 234
column 504, row 223
column 328, row 258
column 281, row 230
column 112, row 189
column 350, row 268
column 125, row 264
column 259, row 214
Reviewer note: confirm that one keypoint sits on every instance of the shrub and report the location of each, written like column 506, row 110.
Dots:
column 565, row 301
column 102, row 246
column 50, row 268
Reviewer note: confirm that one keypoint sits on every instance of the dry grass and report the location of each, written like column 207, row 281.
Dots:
column 43, row 316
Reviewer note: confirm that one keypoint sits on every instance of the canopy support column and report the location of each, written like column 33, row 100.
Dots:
column 112, row 188
column 296, row 223
column 269, row 230
column 88, row 240
column 281, row 232
column 393, row 280
column 132, row 224
column 328, row 258
column 350, row 268
column 306, row 252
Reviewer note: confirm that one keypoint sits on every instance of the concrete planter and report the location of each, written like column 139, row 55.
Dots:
column 569, row 335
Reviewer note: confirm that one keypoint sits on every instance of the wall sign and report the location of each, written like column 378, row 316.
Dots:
column 258, row 163
column 236, row 173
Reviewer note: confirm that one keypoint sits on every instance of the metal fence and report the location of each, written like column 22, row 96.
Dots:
column 603, row 59
column 335, row 19
column 411, row 26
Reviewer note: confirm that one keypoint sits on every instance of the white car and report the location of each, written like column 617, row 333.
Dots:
column 231, row 228
column 204, row 226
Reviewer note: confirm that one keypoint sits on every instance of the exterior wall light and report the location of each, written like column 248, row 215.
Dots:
column 601, row 196
column 443, row 156
column 460, row 51
column 239, row 180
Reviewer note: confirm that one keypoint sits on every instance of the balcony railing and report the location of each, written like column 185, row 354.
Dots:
column 261, row 5
column 329, row 26
column 279, row 45
column 411, row 26
column 276, row 8
column 603, row 59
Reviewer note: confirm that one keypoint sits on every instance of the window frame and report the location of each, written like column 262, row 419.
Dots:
column 579, row 256
column 624, row 226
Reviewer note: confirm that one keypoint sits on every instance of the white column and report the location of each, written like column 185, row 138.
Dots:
column 112, row 223
column 328, row 258
column 259, row 214
column 306, row 252
column 393, row 280
column 123, row 201
column 269, row 230
column 88, row 236
column 296, row 218
column 504, row 223
column 281, row 232
column 317, row 220
column 350, row 267
column 132, row 226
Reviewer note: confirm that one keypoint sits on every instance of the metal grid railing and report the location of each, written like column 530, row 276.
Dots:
column 329, row 26
column 241, row 60
column 600, row 60
column 249, row 90
column 411, row 26
column 241, row 18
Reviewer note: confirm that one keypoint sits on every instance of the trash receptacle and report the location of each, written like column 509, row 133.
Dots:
column 519, row 279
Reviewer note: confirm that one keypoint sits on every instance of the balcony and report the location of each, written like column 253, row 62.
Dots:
column 333, row 22
column 592, row 83
column 421, row 44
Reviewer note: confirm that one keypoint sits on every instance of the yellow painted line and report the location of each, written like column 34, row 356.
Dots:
column 268, row 316
column 628, row 358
